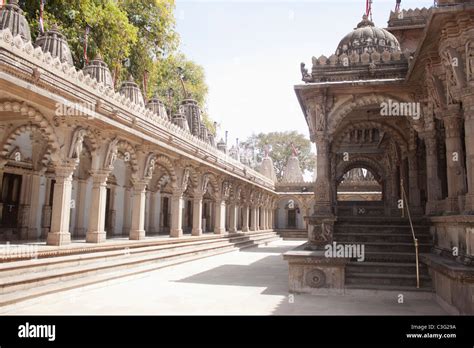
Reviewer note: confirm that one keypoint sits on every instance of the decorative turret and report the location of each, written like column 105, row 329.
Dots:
column 193, row 115
column 204, row 131
column 221, row 145
column 180, row 120
column 55, row 43
column 157, row 106
column 211, row 139
column 131, row 90
column 98, row 70
column 11, row 17
column 267, row 169
column 292, row 171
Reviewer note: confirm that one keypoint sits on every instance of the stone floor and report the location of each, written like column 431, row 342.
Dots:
column 248, row 282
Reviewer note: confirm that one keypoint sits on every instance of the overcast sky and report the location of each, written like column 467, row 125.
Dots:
column 251, row 52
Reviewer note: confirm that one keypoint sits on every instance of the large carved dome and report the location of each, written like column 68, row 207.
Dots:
column 367, row 38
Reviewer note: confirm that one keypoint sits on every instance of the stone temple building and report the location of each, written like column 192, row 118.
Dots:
column 399, row 104
column 87, row 169
column 81, row 160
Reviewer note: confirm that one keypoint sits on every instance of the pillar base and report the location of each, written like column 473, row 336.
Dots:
column 320, row 231
column 137, row 235
column 176, row 233
column 58, row 238
column 311, row 272
column 245, row 229
column 196, row 232
column 96, row 237
column 219, row 231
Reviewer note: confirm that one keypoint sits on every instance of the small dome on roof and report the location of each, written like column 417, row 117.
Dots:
column 367, row 38
column 55, row 43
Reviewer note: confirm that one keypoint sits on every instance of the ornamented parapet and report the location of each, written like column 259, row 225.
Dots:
column 409, row 17
column 358, row 66
column 28, row 58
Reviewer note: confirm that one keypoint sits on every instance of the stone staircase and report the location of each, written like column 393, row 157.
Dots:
column 389, row 253
column 64, row 269
column 288, row 234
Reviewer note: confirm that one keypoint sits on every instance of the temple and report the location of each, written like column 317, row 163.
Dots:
column 88, row 170
column 392, row 111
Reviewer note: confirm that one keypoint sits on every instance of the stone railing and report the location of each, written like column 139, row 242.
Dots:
column 69, row 73
column 359, row 59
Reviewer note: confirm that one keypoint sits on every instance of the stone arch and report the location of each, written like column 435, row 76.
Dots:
column 395, row 133
column 193, row 176
column 340, row 111
column 166, row 163
column 213, row 182
column 37, row 118
column 7, row 146
column 360, row 161
column 288, row 197
column 126, row 147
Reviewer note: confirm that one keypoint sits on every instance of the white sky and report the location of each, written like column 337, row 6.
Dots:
column 251, row 52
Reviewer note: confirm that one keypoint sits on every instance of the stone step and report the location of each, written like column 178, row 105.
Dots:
column 17, row 298
column 381, row 237
column 395, row 290
column 388, row 279
column 384, row 221
column 64, row 258
column 293, row 234
column 390, row 257
column 24, row 281
column 391, row 247
column 359, row 228
column 384, row 267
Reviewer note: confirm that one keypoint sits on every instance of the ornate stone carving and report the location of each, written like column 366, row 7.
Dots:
column 112, row 153
column 150, row 166
column 205, row 183
column 470, row 61
column 77, row 143
column 185, row 180
column 315, row 278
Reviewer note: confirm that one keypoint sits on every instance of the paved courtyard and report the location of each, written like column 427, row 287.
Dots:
column 249, row 282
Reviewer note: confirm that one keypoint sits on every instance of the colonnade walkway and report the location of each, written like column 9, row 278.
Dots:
column 252, row 281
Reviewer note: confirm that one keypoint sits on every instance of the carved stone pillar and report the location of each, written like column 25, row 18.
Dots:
column 197, row 215
column 35, row 206
column 126, row 209
column 414, row 188
column 96, row 232
column 468, row 105
column 137, row 228
column 245, row 218
column 61, row 210
column 152, row 212
column 454, row 157
column 253, row 219
column 433, row 183
column 81, row 206
column 176, row 228
column 257, row 219
column 321, row 224
column 219, row 226
column 234, row 210
column 322, row 190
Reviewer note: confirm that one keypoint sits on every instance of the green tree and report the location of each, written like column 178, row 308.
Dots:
column 111, row 34
column 166, row 75
column 278, row 144
column 140, row 32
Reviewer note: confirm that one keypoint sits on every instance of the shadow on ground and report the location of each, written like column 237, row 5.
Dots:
column 270, row 272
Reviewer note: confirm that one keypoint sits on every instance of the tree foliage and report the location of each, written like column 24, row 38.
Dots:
column 133, row 37
column 278, row 144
